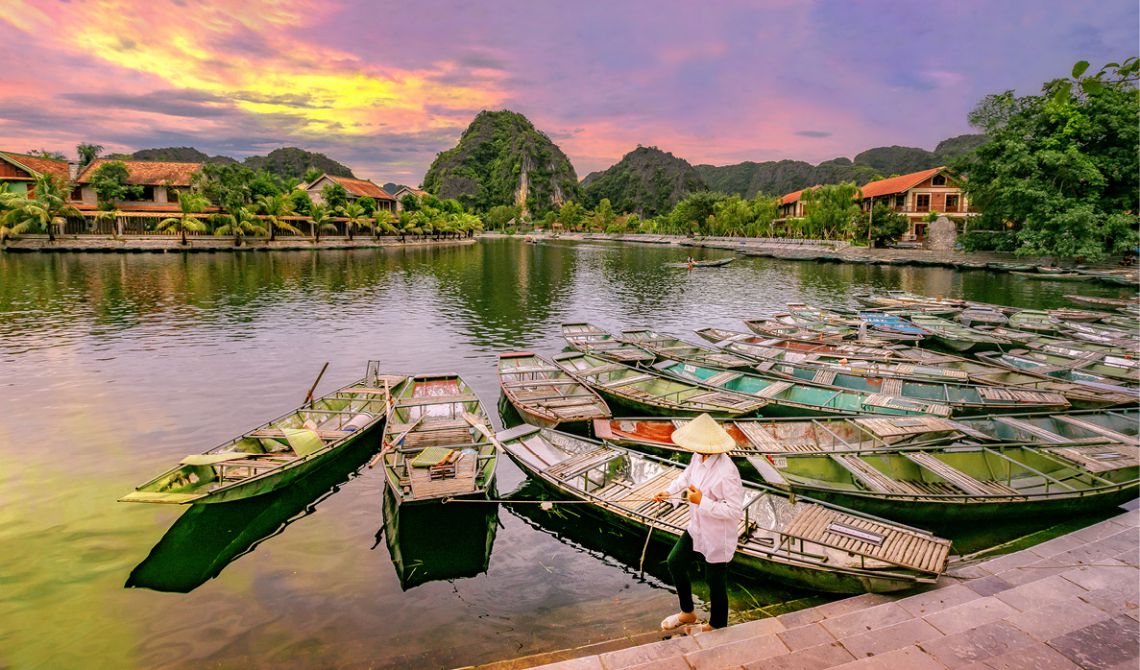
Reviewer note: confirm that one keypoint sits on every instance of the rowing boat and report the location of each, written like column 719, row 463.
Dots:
column 912, row 301
column 718, row 263
column 669, row 346
column 1064, row 276
column 758, row 437
column 1034, row 320
column 1078, row 315
column 1097, row 301
column 768, row 327
column 942, row 486
column 1112, row 337
column 1106, row 373
column 985, row 316
column 651, row 392
column 799, row 398
column 804, row 543
column 545, row 394
column 277, row 453
column 590, row 339
column 892, row 326
column 746, row 344
column 955, row 336
column 432, row 447
column 1054, row 343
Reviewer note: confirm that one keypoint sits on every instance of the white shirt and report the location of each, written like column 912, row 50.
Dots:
column 715, row 523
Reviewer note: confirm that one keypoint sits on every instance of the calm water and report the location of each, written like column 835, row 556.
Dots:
column 112, row 367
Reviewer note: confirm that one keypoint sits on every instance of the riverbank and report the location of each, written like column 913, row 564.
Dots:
column 210, row 244
column 836, row 251
column 1070, row 602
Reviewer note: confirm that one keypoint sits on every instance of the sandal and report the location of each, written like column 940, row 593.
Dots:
column 673, row 622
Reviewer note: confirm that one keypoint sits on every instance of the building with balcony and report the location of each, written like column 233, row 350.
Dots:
column 159, row 184
column 917, row 195
column 355, row 188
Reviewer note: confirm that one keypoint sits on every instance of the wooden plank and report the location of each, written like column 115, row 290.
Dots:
column 773, row 389
column 437, row 400
column 1037, row 431
column 1100, row 430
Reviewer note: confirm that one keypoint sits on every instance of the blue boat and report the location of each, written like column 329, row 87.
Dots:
column 892, row 325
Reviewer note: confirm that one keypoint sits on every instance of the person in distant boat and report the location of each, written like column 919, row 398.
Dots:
column 711, row 486
column 690, row 262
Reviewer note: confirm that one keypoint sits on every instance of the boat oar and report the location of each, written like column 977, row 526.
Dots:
column 313, row 388
column 482, row 428
column 388, row 445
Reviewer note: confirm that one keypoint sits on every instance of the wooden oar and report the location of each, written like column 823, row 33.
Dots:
column 388, row 445
column 313, row 388
column 482, row 428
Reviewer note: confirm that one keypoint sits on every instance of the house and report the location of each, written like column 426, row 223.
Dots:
column 792, row 206
column 19, row 171
column 404, row 192
column 917, row 195
column 356, row 189
column 160, row 181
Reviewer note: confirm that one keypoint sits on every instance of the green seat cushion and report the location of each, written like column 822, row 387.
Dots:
column 430, row 456
column 303, row 440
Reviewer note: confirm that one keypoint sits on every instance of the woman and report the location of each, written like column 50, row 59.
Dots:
column 711, row 485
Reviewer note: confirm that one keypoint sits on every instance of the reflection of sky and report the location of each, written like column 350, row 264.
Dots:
column 384, row 86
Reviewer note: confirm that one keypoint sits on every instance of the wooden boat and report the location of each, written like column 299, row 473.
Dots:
column 1097, row 301
column 1034, row 320
column 1052, row 343
column 277, row 453
column 433, row 449
column 985, row 316
column 746, row 344
column 799, row 398
column 792, row 331
column 955, row 336
column 1079, row 315
column 960, row 398
column 884, row 324
column 804, row 543
column 590, row 339
column 430, row 543
column 941, row 486
column 1064, row 276
column 652, row 392
column 758, row 437
column 1105, row 374
column 718, row 263
column 668, row 346
column 911, row 300
column 1103, row 335
column 1128, row 323
column 545, row 394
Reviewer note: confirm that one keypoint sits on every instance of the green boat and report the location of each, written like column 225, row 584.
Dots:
column 429, row 543
column 867, row 433
column 753, row 346
column 912, row 302
column 802, row 543
column 277, row 453
column 1063, row 276
column 1093, row 367
column 1098, row 301
column 787, row 398
column 433, row 447
column 653, row 393
column 590, row 339
column 1099, row 334
column 1035, row 320
column 669, row 346
column 942, row 486
column 1058, row 344
column 546, row 395
column 955, row 336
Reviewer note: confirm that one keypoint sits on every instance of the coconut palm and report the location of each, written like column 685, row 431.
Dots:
column 320, row 215
column 239, row 224
column 111, row 215
column 355, row 216
column 384, row 223
column 275, row 207
column 45, row 209
column 190, row 204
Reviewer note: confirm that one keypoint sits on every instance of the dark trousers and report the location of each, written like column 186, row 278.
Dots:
column 716, row 575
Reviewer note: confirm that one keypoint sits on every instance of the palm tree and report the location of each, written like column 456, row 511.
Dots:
column 355, row 215
column 107, row 215
column 320, row 216
column 190, row 204
column 384, row 220
column 239, row 224
column 88, row 153
column 274, row 207
column 46, row 208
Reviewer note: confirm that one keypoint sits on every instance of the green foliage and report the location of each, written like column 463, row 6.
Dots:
column 226, row 185
column 241, row 223
column 1062, row 166
column 44, row 212
column 367, row 204
column 692, row 214
column 829, row 211
column 311, row 175
column 274, row 208
column 110, row 183
column 646, row 180
column 190, row 205
column 301, row 202
column 335, row 196
column 886, row 224
column 44, row 153
column 499, row 216
column 409, row 203
column 988, row 240
column 87, row 153
column 265, row 184
column 571, row 215
column 291, row 162
column 355, row 216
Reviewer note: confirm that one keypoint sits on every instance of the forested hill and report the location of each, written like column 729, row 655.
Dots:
column 780, row 177
column 502, row 159
column 647, row 180
column 286, row 162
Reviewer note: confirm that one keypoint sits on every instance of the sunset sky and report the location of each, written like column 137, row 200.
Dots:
column 384, row 86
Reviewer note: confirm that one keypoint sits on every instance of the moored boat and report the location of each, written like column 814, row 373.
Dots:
column 753, row 345
column 793, row 331
column 1063, row 276
column 279, row 452
column 821, row 547
column 545, row 394
column 984, row 316
column 1104, row 372
column 433, row 447
column 669, row 346
column 955, row 336
column 590, row 339
column 1078, row 315
column 1034, row 320
column 891, row 325
column 1097, row 301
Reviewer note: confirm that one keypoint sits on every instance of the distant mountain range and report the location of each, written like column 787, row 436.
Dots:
column 647, row 180
column 286, row 162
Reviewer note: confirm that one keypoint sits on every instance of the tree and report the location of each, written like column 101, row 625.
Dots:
column 887, row 225
column 356, row 217
column 110, row 183
column 367, row 204
column 311, row 175
column 499, row 216
column 409, row 203
column 691, row 215
column 225, row 185
column 190, row 205
column 1062, row 167
column 829, row 210
column 240, row 223
column 765, row 210
column 88, row 153
column 12, row 221
column 301, row 201
column 319, row 216
column 570, row 215
column 44, row 153
column 265, row 184
column 604, row 214
column 275, row 207
column 335, row 196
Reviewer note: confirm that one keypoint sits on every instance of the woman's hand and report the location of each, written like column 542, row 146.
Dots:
column 660, row 495
column 694, row 495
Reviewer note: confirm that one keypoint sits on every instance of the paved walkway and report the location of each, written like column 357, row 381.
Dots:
column 1071, row 602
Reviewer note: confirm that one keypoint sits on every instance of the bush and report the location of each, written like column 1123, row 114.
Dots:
column 988, row 240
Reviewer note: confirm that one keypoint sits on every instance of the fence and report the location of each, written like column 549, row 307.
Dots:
column 145, row 224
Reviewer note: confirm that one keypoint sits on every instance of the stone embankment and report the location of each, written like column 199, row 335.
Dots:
column 1068, row 603
column 208, row 244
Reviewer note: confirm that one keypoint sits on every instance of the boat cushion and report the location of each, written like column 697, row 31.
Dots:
column 430, row 456
column 303, row 440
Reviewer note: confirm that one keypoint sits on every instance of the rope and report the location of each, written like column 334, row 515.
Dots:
column 515, row 501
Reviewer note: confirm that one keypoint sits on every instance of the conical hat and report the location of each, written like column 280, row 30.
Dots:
column 703, row 435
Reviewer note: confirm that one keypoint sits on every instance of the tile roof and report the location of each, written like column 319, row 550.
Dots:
column 38, row 165
column 361, row 188
column 796, row 195
column 149, row 173
column 898, row 184
column 419, row 193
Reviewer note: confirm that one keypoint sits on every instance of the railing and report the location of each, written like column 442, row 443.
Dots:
column 145, row 224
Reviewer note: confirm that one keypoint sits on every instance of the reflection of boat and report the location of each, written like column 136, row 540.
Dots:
column 431, row 543
column 432, row 446
column 207, row 538
column 801, row 542
column 279, row 452
column 546, row 395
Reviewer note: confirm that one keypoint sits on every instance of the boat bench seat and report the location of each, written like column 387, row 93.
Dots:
column 893, row 544
column 957, row 478
column 626, row 381
column 581, row 462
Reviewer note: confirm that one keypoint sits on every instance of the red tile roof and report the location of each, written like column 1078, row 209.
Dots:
column 149, row 173
column 37, row 165
column 361, row 188
column 796, row 195
column 419, row 193
column 898, row 184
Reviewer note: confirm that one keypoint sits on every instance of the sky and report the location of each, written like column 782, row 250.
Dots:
column 383, row 86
